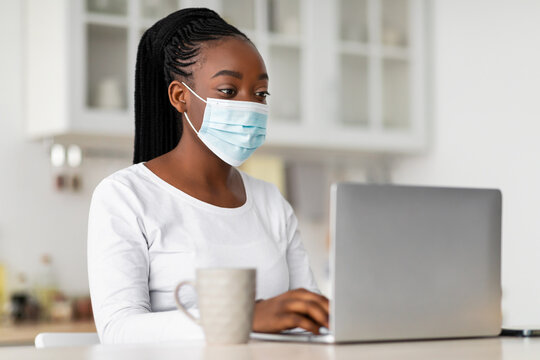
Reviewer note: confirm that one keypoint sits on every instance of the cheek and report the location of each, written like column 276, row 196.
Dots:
column 196, row 113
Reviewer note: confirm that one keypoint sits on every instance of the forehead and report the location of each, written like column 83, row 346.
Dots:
column 230, row 53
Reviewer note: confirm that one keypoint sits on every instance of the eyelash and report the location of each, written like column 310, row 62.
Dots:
column 263, row 94
column 229, row 92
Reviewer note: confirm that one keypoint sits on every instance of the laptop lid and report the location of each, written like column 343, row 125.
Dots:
column 414, row 262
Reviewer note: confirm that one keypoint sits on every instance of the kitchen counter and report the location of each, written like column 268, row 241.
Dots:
column 24, row 334
column 503, row 348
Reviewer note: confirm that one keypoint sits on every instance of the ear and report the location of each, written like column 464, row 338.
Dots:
column 176, row 96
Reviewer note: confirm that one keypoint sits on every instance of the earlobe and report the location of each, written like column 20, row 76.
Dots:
column 176, row 96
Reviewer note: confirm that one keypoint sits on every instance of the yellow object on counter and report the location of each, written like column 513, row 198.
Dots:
column 267, row 168
column 3, row 289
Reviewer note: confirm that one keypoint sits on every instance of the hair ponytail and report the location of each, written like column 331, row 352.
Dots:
column 166, row 51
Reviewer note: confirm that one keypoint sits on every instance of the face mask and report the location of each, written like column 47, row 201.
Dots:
column 231, row 129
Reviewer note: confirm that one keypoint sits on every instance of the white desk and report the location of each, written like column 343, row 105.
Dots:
column 492, row 349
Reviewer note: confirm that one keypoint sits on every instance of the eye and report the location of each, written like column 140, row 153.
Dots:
column 228, row 92
column 262, row 94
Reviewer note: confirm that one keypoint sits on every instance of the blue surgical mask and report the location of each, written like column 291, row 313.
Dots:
column 232, row 129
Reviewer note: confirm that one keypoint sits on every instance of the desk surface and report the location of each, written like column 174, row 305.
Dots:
column 492, row 349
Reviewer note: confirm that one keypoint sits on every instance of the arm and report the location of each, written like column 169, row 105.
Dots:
column 300, row 274
column 118, row 270
column 301, row 306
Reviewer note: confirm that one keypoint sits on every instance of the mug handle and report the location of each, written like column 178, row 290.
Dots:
column 180, row 305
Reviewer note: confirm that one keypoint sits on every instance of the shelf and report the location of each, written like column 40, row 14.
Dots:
column 157, row 9
column 273, row 120
column 395, row 52
column 107, row 20
column 98, row 112
column 363, row 49
column 369, row 139
column 354, row 48
column 285, row 40
column 111, row 7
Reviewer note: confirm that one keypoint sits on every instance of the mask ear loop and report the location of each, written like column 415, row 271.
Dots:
column 190, row 124
column 185, row 113
column 194, row 93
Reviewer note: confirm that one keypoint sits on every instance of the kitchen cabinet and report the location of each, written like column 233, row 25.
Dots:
column 80, row 57
column 344, row 74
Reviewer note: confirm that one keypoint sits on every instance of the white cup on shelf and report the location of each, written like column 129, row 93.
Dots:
column 109, row 94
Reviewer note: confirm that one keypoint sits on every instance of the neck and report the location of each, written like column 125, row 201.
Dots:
column 199, row 163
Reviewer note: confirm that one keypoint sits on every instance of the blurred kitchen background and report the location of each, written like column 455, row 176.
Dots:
column 434, row 92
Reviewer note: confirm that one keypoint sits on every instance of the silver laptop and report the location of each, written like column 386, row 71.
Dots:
column 411, row 263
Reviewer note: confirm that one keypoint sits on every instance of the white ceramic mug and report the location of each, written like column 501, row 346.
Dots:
column 226, row 298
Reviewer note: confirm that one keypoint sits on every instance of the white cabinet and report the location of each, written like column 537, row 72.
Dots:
column 344, row 74
column 80, row 57
column 81, row 67
column 381, row 58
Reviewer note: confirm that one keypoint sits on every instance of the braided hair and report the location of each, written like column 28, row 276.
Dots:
column 165, row 52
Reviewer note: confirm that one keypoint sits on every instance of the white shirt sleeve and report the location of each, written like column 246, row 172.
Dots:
column 300, row 274
column 118, row 271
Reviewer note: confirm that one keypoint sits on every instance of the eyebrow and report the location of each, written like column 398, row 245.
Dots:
column 236, row 74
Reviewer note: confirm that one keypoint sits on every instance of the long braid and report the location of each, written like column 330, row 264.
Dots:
column 165, row 52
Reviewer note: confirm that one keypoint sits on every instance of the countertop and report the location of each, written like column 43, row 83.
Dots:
column 502, row 348
column 24, row 334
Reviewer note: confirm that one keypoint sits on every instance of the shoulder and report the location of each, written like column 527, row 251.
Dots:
column 127, row 184
column 133, row 177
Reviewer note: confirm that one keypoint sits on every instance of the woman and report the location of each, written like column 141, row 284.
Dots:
column 200, row 102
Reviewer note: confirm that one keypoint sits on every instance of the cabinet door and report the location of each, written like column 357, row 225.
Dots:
column 103, row 43
column 381, row 62
column 106, row 49
column 284, row 59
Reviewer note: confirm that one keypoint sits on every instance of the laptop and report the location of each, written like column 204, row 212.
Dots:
column 410, row 262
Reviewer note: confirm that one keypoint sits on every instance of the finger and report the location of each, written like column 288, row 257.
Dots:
column 296, row 320
column 307, row 295
column 310, row 309
column 310, row 295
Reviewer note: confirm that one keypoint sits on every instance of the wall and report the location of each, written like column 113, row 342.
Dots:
column 34, row 218
column 486, row 128
column 485, row 133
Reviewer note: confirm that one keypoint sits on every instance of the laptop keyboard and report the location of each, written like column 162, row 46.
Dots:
column 300, row 331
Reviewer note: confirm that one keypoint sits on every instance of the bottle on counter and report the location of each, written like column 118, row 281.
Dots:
column 22, row 306
column 46, row 287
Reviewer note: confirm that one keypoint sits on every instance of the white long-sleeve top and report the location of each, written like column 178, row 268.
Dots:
column 145, row 236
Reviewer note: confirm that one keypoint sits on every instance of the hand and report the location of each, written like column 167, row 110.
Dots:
column 295, row 308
